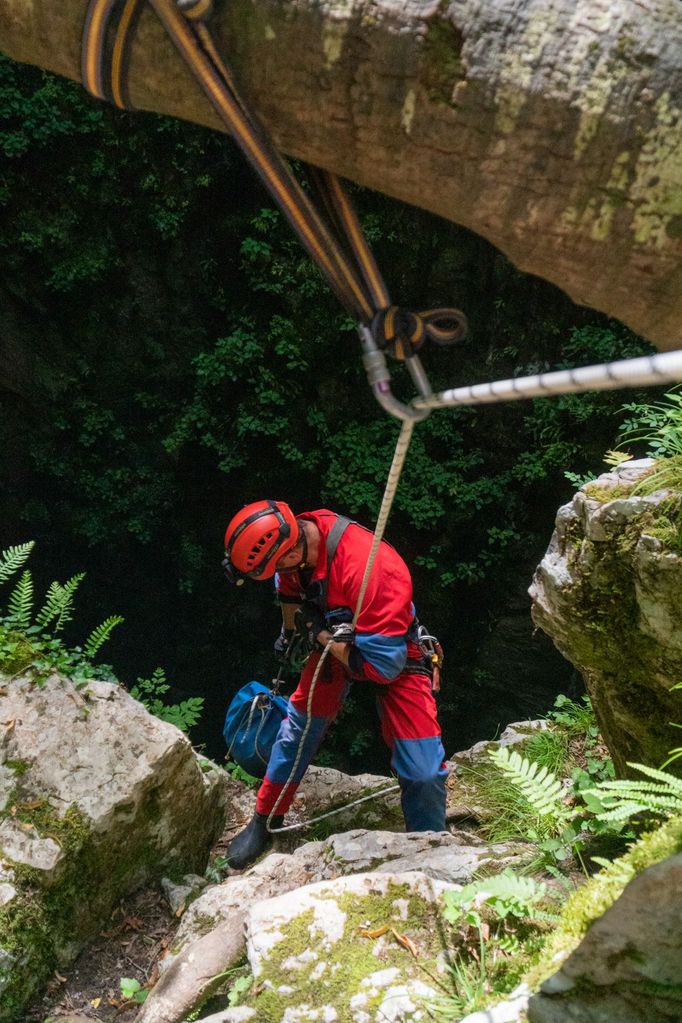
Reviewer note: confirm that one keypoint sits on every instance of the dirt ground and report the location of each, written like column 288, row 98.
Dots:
column 136, row 937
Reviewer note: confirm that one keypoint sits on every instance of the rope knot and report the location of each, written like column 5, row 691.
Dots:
column 402, row 333
column 196, row 10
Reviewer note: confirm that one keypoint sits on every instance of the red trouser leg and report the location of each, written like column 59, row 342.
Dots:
column 409, row 725
column 302, row 731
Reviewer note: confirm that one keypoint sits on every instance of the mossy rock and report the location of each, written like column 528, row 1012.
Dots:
column 600, row 892
column 95, row 800
column 350, row 948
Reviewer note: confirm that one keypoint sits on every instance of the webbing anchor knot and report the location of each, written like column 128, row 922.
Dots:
column 196, row 10
column 402, row 333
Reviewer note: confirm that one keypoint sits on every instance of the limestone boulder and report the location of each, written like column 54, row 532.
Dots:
column 352, row 948
column 323, row 789
column 96, row 796
column 609, row 593
column 212, row 928
column 453, row 859
column 629, row 964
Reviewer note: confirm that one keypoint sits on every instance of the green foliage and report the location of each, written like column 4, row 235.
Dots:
column 149, row 692
column 575, row 717
column 100, row 634
column 674, row 754
column 619, row 800
column 658, row 425
column 538, row 794
column 506, row 895
column 13, row 558
column 239, row 774
column 577, row 480
column 493, row 916
column 132, row 990
column 240, row 987
column 58, row 606
column 25, row 646
column 549, row 748
column 20, row 606
column 539, row 787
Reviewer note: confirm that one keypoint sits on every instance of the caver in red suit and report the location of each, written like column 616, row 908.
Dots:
column 381, row 650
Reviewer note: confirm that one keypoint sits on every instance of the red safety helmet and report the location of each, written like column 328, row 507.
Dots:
column 256, row 538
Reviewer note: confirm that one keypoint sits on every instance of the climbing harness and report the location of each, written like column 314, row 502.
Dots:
column 342, row 253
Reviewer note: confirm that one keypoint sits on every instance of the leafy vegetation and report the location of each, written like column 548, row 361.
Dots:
column 148, row 691
column 621, row 799
column 505, row 924
column 658, row 425
column 30, row 645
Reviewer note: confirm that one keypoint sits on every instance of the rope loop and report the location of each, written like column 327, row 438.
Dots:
column 196, row 10
column 402, row 333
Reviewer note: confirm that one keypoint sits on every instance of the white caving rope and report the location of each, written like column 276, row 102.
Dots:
column 401, row 449
column 666, row 367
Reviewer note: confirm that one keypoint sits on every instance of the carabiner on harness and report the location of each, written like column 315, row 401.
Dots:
column 433, row 652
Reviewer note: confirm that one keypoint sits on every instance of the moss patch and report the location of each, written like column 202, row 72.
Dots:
column 335, row 978
column 442, row 67
column 16, row 653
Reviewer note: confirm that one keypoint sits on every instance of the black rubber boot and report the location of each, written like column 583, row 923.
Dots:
column 248, row 845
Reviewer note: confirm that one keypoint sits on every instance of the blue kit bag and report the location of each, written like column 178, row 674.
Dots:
column 251, row 726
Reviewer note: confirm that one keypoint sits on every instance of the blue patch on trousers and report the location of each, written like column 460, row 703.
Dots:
column 286, row 747
column 419, row 766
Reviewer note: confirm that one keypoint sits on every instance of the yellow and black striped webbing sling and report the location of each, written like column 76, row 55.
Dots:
column 342, row 255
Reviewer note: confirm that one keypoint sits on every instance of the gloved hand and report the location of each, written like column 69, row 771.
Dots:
column 309, row 621
column 343, row 633
column 248, row 845
column 282, row 642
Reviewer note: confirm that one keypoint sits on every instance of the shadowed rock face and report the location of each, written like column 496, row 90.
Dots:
column 628, row 965
column 609, row 593
column 551, row 128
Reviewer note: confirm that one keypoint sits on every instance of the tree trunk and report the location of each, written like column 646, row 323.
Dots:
column 551, row 127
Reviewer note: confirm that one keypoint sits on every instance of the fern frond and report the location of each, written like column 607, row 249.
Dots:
column 13, row 558
column 541, row 788
column 20, row 604
column 507, row 893
column 58, row 604
column 52, row 605
column 625, row 797
column 509, row 885
column 100, row 635
column 624, row 809
column 669, row 780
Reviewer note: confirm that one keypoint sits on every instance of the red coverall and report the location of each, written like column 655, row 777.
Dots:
column 406, row 705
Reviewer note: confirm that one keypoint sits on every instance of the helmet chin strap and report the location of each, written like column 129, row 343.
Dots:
column 302, row 539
